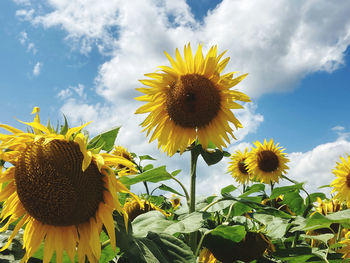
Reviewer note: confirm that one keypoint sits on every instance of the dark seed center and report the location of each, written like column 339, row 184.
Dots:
column 268, row 161
column 193, row 101
column 242, row 167
column 348, row 180
column 52, row 186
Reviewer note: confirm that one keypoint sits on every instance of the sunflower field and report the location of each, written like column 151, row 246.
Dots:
column 68, row 197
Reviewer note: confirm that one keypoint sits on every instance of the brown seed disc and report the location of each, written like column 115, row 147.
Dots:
column 52, row 186
column 193, row 101
column 242, row 167
column 268, row 161
column 348, row 180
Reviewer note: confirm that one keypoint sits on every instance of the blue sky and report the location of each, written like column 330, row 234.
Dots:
column 83, row 59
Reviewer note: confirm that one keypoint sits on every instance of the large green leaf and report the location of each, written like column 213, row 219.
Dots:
column 317, row 221
column 228, row 189
column 104, row 141
column 234, row 233
column 253, row 189
column 156, row 222
column 159, row 248
column 295, row 202
column 154, row 175
column 284, row 189
column 276, row 227
column 169, row 189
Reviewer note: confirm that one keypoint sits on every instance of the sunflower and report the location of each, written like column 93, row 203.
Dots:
column 328, row 207
column 122, row 169
column 175, row 201
column 190, row 101
column 345, row 250
column 60, row 191
column 267, row 162
column 205, row 256
column 238, row 167
column 135, row 208
column 341, row 184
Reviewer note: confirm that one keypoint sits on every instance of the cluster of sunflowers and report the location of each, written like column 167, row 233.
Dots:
column 72, row 196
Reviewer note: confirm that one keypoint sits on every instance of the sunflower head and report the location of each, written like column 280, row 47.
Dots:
column 191, row 100
column 122, row 169
column 135, row 208
column 345, row 250
column 175, row 201
column 267, row 162
column 238, row 167
column 341, row 185
column 205, row 256
column 62, row 192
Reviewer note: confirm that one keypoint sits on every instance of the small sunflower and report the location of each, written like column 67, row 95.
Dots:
column 122, row 169
column 341, row 184
column 60, row 191
column 175, row 201
column 328, row 207
column 191, row 100
column 205, row 256
column 238, row 167
column 267, row 162
column 135, row 208
column 345, row 250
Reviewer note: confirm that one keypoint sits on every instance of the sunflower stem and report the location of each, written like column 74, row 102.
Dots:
column 183, row 188
column 146, row 186
column 192, row 202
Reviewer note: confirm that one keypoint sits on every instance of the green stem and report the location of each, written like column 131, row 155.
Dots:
column 183, row 188
column 192, row 201
column 146, row 186
column 194, row 158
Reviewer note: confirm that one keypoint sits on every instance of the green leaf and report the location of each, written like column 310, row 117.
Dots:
column 146, row 157
column 219, row 206
column 321, row 237
column 154, row 176
column 228, row 189
column 295, row 202
column 253, row 189
column 105, row 140
column 148, row 167
column 234, row 233
column 226, row 154
column 169, row 189
column 284, row 189
column 211, row 157
column 276, row 227
column 159, row 248
column 155, row 221
column 313, row 196
column 175, row 173
column 294, row 255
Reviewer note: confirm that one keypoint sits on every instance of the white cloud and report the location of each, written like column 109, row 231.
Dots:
column 315, row 166
column 25, row 41
column 71, row 90
column 37, row 69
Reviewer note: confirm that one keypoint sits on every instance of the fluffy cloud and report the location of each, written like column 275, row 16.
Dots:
column 37, row 69
column 277, row 42
column 315, row 167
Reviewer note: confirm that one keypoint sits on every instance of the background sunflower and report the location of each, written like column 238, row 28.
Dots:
column 267, row 162
column 238, row 167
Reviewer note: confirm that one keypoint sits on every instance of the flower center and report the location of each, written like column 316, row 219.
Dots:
column 193, row 101
column 268, row 161
column 52, row 186
column 348, row 180
column 242, row 167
